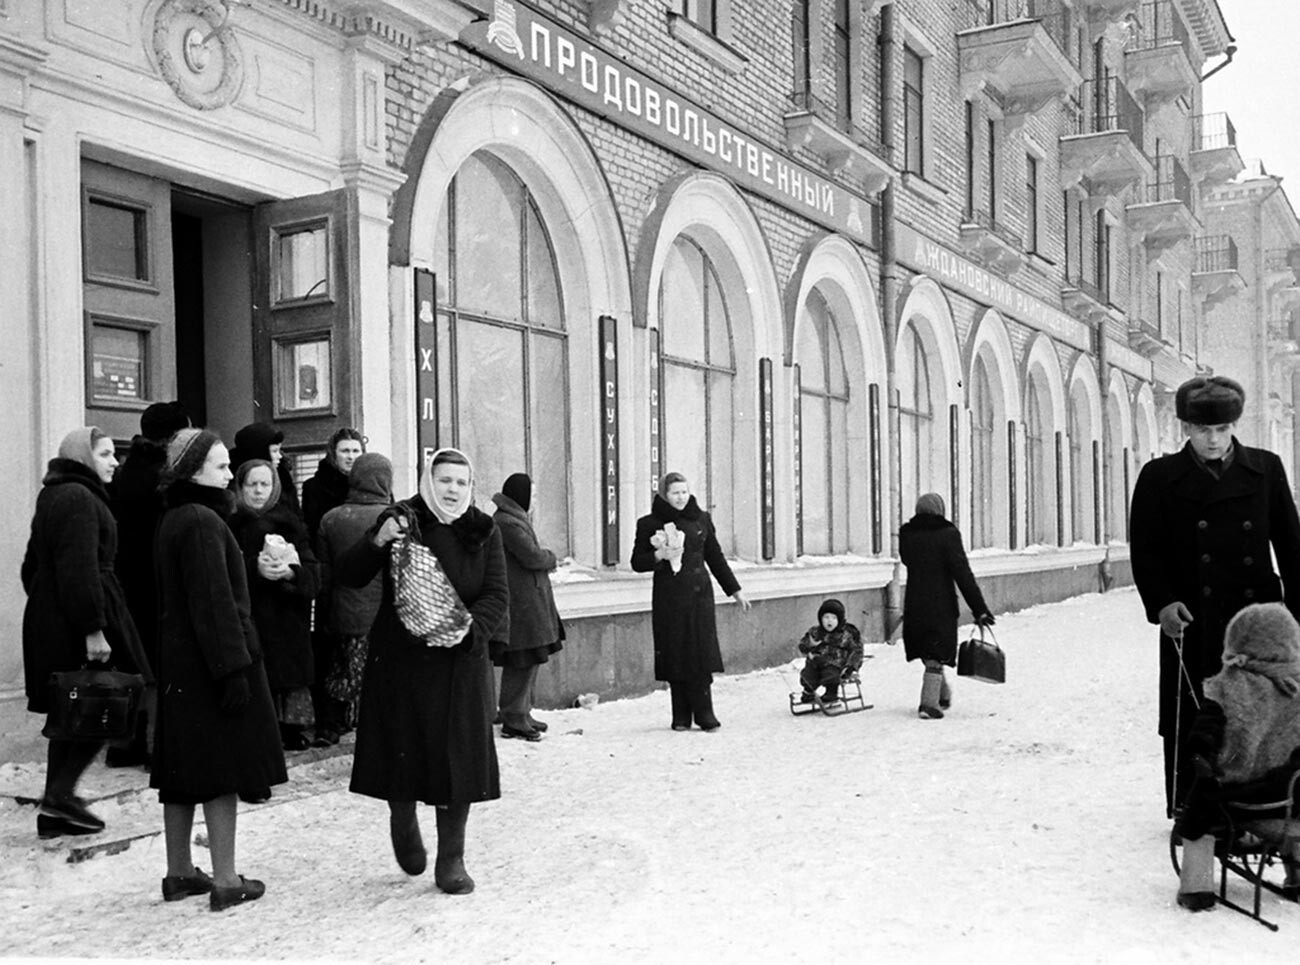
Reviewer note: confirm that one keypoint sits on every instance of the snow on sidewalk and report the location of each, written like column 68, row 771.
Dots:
column 1026, row 826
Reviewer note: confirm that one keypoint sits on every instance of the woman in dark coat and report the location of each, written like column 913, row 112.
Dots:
column 76, row 612
column 217, row 734
column 329, row 487
column 282, row 585
column 535, row 628
column 425, row 727
column 931, row 549
column 261, row 440
column 675, row 542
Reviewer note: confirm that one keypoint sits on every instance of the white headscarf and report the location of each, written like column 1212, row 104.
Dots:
column 426, row 486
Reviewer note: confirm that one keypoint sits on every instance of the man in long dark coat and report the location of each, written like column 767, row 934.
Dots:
column 1203, row 522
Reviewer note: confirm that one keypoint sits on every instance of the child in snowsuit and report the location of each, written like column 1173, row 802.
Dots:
column 834, row 649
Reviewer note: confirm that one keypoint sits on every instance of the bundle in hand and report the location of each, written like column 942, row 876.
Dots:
column 671, row 541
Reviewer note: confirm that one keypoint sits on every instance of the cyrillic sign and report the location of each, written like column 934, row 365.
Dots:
column 522, row 40
column 426, row 367
column 609, row 437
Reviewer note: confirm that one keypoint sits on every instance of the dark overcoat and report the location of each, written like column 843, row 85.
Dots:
column 931, row 549
column 205, row 633
column 534, row 620
column 321, row 493
column 72, row 590
column 137, row 506
column 281, row 608
column 682, row 617
column 424, row 730
column 348, row 611
column 1209, row 543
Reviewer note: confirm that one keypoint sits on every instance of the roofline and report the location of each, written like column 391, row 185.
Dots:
column 1206, row 20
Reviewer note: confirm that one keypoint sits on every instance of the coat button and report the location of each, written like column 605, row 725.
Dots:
column 1247, row 525
column 1248, row 561
column 1205, row 557
column 1205, row 591
column 1201, row 524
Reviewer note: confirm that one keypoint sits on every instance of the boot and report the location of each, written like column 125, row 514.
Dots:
column 702, row 708
column 945, row 692
column 931, row 685
column 449, row 872
column 408, row 846
column 1196, row 877
column 681, row 706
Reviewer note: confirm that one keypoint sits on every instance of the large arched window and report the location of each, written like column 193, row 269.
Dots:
column 699, row 376
column 824, row 410
column 984, row 438
column 1039, row 467
column 1117, row 485
column 1081, row 469
column 916, row 427
column 502, row 350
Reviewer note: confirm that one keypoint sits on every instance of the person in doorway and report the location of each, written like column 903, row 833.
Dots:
column 834, row 651
column 76, row 612
column 261, row 440
column 676, row 541
column 137, row 506
column 931, row 549
column 535, row 628
column 330, row 486
column 425, row 726
column 282, row 582
column 216, row 736
column 1206, row 524
column 346, row 613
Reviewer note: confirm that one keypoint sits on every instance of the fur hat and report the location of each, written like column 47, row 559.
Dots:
column 831, row 606
column 1213, row 401
column 162, row 420
column 1264, row 638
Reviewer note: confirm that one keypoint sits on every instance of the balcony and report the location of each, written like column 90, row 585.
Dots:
column 1020, row 50
column 1279, row 268
column 985, row 238
column 1103, row 13
column 1104, row 143
column 1215, row 278
column 843, row 148
column 1144, row 338
column 1084, row 300
column 1157, row 58
column 1214, row 156
column 1164, row 217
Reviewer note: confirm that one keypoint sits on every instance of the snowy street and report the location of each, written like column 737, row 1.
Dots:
column 1026, row 826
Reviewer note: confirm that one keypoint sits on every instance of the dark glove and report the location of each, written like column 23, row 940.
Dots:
column 1205, row 736
column 985, row 620
column 235, row 693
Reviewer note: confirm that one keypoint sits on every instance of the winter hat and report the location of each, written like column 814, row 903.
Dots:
column 446, row 514
column 241, row 476
column 79, row 445
column 254, row 441
column 1213, row 401
column 519, row 488
column 187, row 452
column 668, row 480
column 831, row 606
column 162, row 419
column 1264, row 639
column 930, row 504
column 371, row 476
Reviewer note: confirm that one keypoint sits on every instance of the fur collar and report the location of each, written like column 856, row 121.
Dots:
column 663, row 511
column 62, row 471
column 184, row 492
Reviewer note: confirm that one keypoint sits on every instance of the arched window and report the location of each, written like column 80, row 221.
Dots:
column 984, row 430
column 1116, row 528
column 1038, row 468
column 915, row 420
column 1081, row 475
column 824, row 409
column 502, row 350
column 698, row 369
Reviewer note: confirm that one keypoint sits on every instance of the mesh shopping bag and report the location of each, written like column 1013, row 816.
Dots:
column 426, row 602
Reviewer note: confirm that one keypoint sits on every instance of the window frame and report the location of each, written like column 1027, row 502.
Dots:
column 914, row 113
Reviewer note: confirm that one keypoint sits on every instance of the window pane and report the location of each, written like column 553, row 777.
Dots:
column 816, row 507
column 682, row 300
column 118, row 362
column 442, row 251
column 490, row 383
column 719, row 322
column 838, row 477
column 303, row 258
column 543, row 283
column 303, row 375
column 487, row 238
column 550, row 443
column 722, row 483
column 837, row 378
column 685, row 425
column 116, row 242
column 812, row 359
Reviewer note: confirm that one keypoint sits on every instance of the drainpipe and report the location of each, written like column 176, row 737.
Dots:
column 1229, row 52
column 1261, row 321
column 889, row 312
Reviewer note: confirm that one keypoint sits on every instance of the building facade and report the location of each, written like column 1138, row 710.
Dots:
column 821, row 256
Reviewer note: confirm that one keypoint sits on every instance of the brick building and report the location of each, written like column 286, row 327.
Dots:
column 821, row 256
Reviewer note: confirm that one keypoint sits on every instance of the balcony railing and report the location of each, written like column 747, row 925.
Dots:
column 1216, row 253
column 1057, row 19
column 1213, row 132
column 1159, row 26
column 1105, row 106
column 1171, row 182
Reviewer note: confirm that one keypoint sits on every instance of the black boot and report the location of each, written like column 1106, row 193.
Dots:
column 681, row 706
column 449, row 872
column 702, row 708
column 408, row 846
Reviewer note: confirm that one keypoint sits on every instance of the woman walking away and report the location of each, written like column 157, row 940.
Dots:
column 76, row 612
column 282, row 581
column 535, row 628
column 675, row 542
column 217, row 734
column 425, row 727
column 931, row 549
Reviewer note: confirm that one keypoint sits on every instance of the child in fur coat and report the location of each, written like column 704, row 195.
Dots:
column 834, row 649
column 1245, row 742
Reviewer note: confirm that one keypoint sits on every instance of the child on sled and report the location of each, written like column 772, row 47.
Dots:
column 834, row 649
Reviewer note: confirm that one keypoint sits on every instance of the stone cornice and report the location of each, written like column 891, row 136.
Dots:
column 389, row 28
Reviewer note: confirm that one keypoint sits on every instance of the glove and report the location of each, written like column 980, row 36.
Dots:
column 1173, row 618
column 235, row 693
column 985, row 620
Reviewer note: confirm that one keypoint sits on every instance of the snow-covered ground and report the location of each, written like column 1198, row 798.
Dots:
column 1027, row 826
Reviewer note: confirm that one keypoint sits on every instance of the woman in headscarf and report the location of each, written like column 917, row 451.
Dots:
column 282, row 581
column 217, row 735
column 535, row 627
column 76, row 612
column 931, row 549
column 675, row 542
column 262, row 440
column 425, row 726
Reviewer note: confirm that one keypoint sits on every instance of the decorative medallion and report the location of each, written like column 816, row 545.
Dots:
column 197, row 52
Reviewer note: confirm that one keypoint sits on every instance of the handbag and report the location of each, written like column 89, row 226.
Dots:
column 93, row 705
column 982, row 659
column 426, row 602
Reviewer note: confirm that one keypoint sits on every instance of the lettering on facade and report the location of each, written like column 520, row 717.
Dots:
column 609, row 437
column 765, row 398
column 656, row 412
column 796, row 411
column 521, row 39
column 426, row 384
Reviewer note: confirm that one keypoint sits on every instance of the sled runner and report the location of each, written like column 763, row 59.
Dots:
column 850, row 700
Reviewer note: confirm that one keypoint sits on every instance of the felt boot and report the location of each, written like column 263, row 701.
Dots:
column 681, row 706
column 449, row 872
column 408, row 846
column 1196, row 875
column 931, row 685
column 702, row 708
column 945, row 692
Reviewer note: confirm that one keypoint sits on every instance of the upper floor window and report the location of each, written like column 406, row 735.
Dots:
column 913, row 112
column 803, row 47
column 702, row 13
column 843, row 65
column 1031, row 203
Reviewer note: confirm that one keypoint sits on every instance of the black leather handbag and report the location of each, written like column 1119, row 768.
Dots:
column 93, row 705
column 982, row 659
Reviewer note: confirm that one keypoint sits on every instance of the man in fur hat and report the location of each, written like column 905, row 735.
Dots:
column 1206, row 523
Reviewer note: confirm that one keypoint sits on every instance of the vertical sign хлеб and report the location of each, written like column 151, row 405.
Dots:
column 426, row 368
